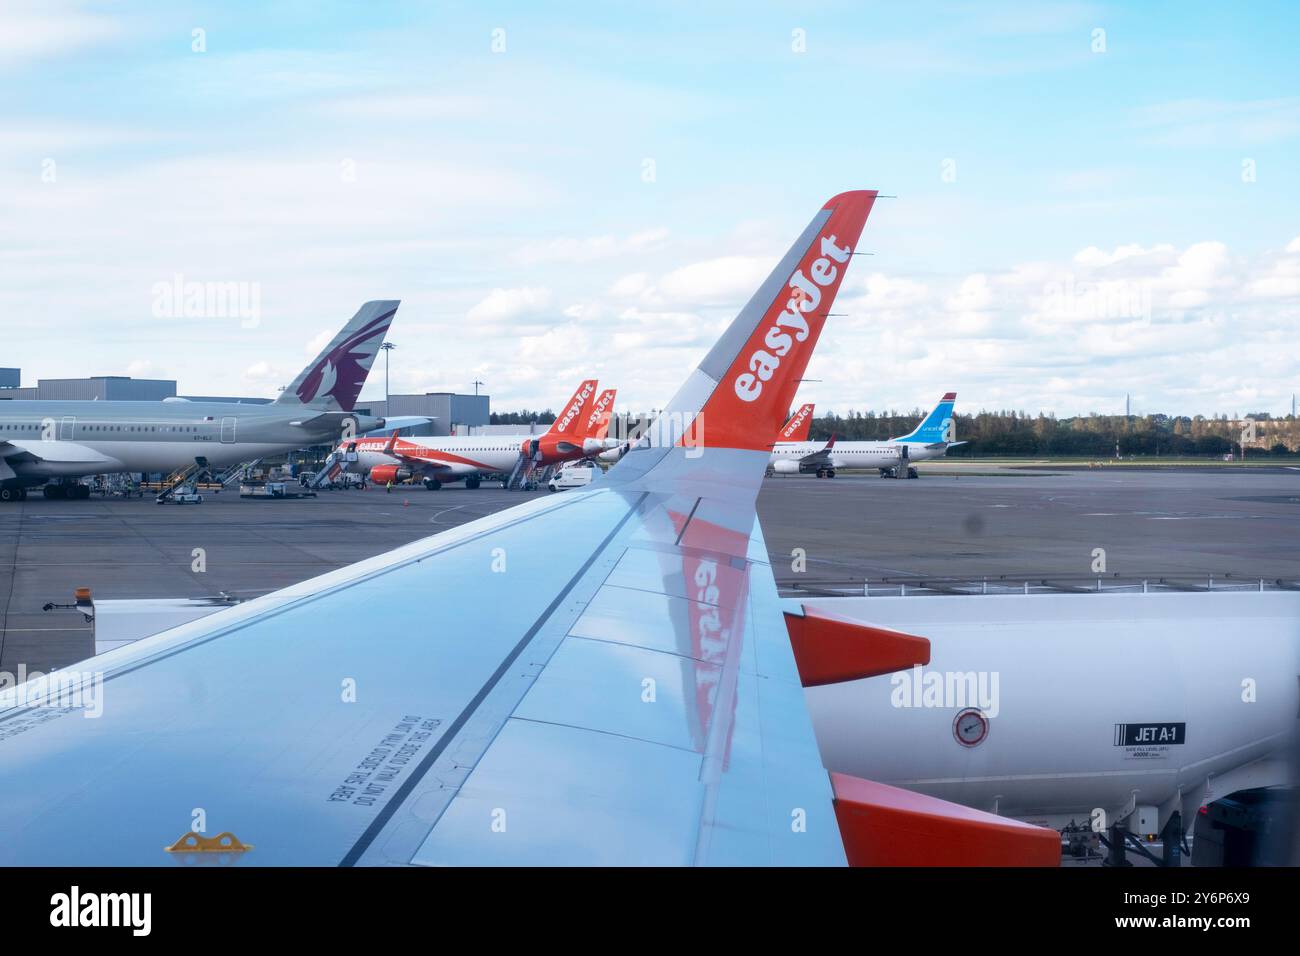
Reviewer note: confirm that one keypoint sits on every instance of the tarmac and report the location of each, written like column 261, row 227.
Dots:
column 963, row 523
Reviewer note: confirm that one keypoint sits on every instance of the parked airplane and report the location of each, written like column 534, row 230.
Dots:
column 438, row 460
column 930, row 439
column 619, row 688
column 45, row 441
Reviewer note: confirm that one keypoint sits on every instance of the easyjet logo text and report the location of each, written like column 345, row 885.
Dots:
column 795, row 422
column 792, row 325
column 602, row 404
column 578, row 401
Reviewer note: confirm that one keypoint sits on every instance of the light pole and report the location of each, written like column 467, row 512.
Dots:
column 387, row 347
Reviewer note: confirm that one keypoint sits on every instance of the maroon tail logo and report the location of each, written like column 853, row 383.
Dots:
column 340, row 372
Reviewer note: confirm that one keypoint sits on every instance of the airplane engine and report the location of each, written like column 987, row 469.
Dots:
column 786, row 467
column 383, row 474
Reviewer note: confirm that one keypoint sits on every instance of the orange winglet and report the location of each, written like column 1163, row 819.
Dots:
column 886, row 826
column 831, row 649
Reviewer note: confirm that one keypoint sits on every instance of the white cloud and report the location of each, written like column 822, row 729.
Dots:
column 589, row 249
column 316, row 344
column 507, row 305
column 630, row 286
column 725, row 279
column 1216, row 122
column 973, row 295
column 408, row 106
column 264, row 376
column 35, row 29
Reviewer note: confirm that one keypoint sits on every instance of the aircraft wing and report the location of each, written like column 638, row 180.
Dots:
column 55, row 452
column 406, row 421
column 434, row 462
column 942, row 445
column 820, row 457
column 602, row 677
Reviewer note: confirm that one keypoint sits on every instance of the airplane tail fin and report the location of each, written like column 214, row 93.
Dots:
column 334, row 378
column 602, row 410
column 935, row 427
column 572, row 418
column 740, row 393
column 799, row 426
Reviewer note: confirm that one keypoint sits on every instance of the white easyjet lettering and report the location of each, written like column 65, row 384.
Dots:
column 796, row 421
column 805, row 296
column 571, row 414
column 599, row 410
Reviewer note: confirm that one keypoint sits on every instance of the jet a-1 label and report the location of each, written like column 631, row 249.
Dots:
column 1149, row 741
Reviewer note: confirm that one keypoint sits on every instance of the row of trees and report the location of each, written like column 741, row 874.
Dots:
column 1018, row 433
column 522, row 418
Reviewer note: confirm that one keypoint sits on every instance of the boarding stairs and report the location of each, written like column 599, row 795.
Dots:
column 234, row 473
column 338, row 463
column 182, row 476
column 527, row 472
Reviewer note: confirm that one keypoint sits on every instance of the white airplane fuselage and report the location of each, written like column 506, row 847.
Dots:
column 787, row 456
column 442, row 457
column 43, row 440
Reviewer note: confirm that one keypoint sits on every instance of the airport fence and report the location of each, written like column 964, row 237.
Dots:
column 931, row 585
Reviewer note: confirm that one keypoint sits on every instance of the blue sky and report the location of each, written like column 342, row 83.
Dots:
column 324, row 154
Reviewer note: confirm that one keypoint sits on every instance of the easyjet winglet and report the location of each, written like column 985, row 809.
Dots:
column 755, row 392
column 799, row 426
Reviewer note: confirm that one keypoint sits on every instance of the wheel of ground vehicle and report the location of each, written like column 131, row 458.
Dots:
column 530, row 486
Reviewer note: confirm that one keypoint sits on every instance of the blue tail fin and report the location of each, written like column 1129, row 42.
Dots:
column 937, row 426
